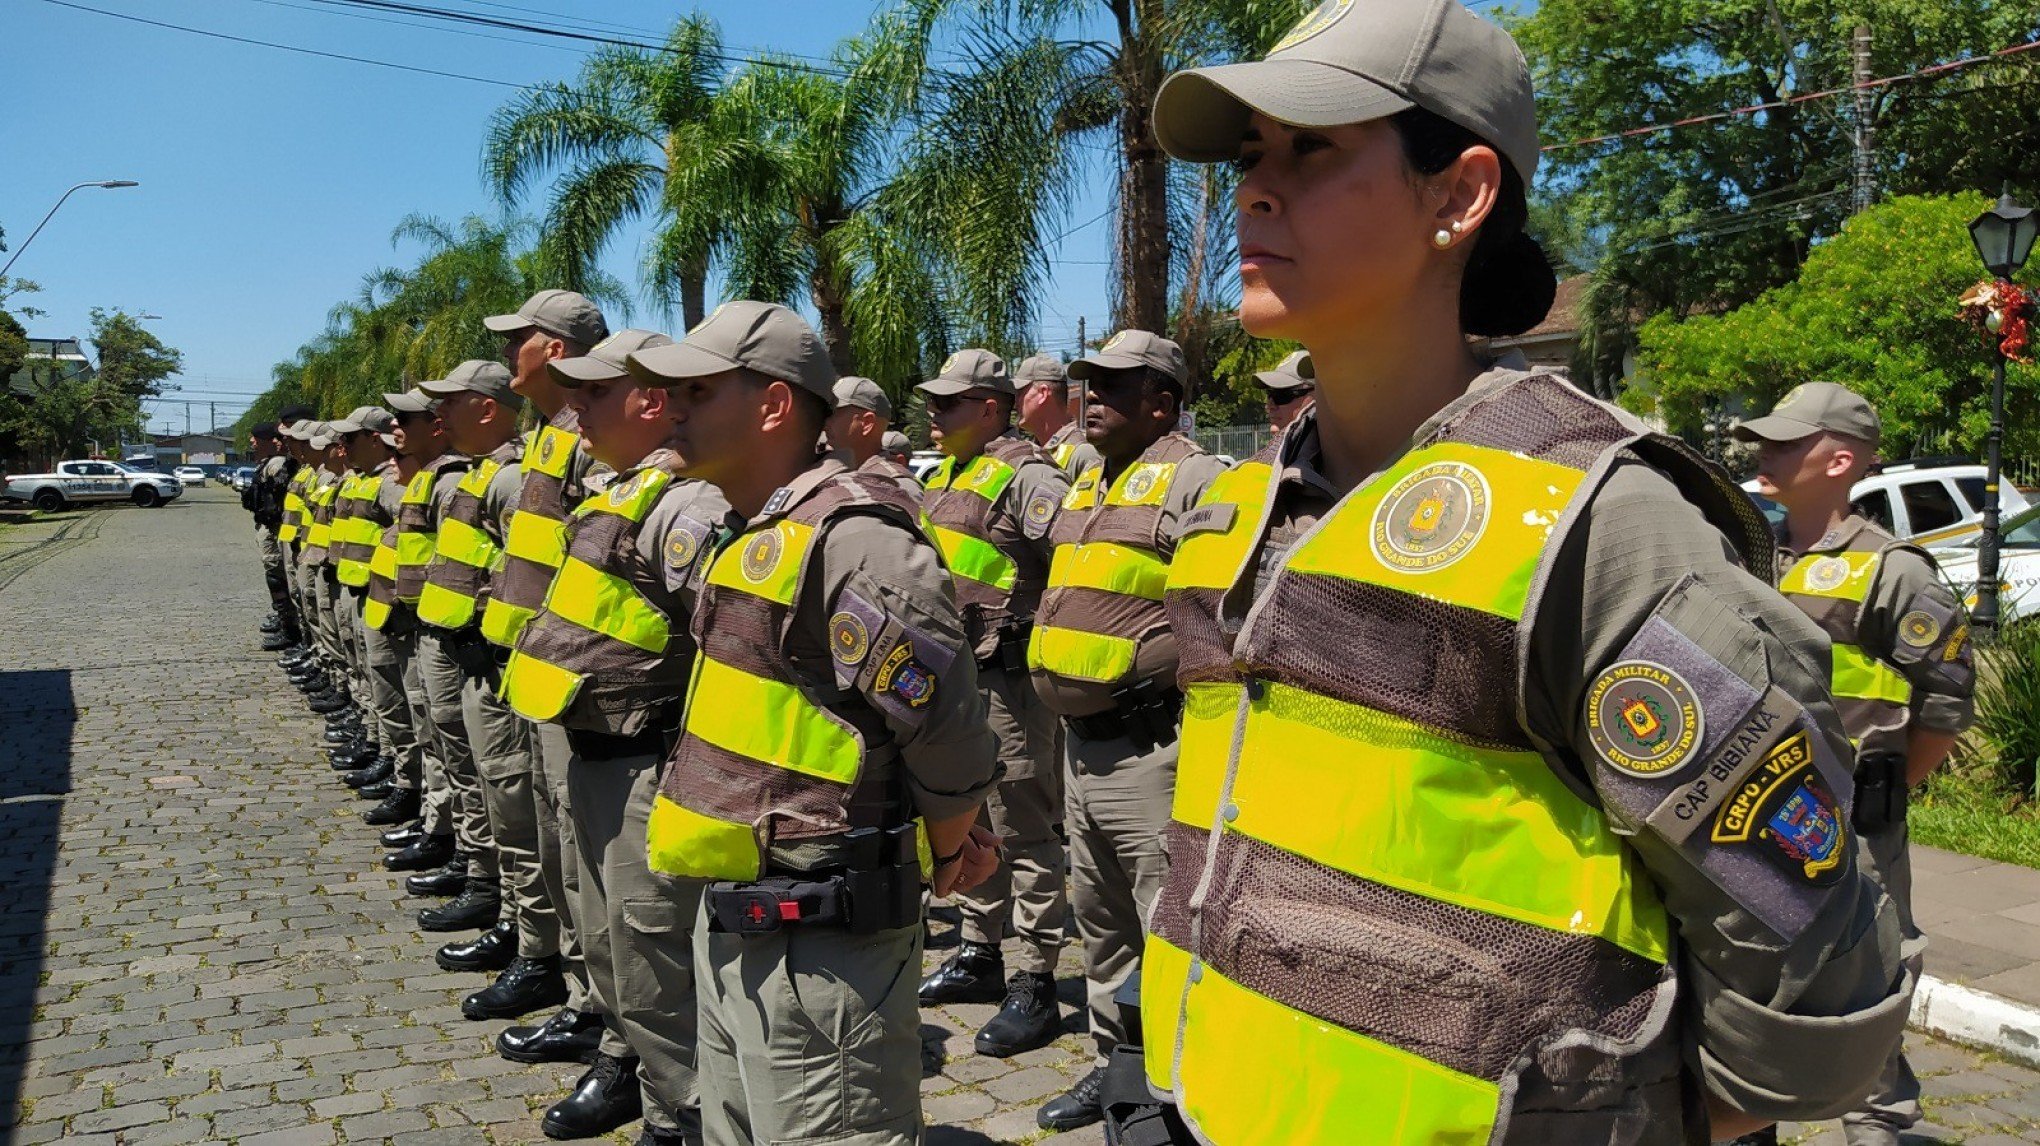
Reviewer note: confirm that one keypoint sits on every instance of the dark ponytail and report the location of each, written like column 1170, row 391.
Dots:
column 1509, row 284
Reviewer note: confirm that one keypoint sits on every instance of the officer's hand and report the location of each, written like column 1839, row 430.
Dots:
column 977, row 859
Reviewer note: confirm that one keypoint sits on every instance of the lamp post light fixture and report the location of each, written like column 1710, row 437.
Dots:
column 2004, row 237
column 109, row 184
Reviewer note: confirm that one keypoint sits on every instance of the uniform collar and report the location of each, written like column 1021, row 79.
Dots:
column 826, row 468
column 1841, row 535
column 1301, row 455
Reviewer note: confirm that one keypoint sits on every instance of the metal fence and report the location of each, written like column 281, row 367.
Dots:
column 1237, row 442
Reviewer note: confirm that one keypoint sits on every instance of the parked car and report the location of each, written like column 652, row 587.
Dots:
column 242, row 478
column 189, row 475
column 2018, row 566
column 1931, row 502
column 88, row 481
column 921, row 463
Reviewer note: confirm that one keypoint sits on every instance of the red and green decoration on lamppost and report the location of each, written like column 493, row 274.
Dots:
column 2003, row 310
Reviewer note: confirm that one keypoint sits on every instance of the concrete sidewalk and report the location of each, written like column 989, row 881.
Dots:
column 1982, row 980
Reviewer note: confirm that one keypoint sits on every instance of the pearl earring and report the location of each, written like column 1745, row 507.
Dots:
column 1442, row 239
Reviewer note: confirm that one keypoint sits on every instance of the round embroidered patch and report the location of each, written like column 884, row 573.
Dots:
column 1431, row 518
column 1139, row 484
column 1643, row 719
column 618, row 494
column 1320, row 18
column 547, row 445
column 848, row 639
column 1918, row 629
column 1827, row 574
column 1040, row 509
column 681, row 546
column 761, row 556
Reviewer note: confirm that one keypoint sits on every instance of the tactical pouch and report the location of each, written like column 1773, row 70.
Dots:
column 1880, row 792
column 879, row 890
column 1133, row 1115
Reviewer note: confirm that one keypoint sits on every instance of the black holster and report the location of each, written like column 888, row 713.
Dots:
column 1011, row 652
column 474, row 653
column 1133, row 1115
column 1880, row 792
column 879, row 889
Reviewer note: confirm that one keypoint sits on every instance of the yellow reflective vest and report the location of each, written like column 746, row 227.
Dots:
column 417, row 533
column 534, row 543
column 294, row 509
column 1830, row 586
column 355, row 529
column 465, row 551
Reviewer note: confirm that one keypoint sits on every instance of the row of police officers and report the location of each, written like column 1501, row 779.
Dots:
column 1472, row 764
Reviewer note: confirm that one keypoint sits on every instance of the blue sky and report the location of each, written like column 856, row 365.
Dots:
column 270, row 181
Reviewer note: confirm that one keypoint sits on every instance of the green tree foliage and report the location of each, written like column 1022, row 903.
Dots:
column 59, row 415
column 1875, row 310
column 1715, row 214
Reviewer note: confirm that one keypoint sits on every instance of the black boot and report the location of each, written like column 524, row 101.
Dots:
column 404, row 835
column 569, row 1036
column 1077, row 1107
column 1029, row 1018
column 380, row 790
column 398, row 807
column 271, row 642
column 293, row 657
column 351, row 755
column 526, row 985
column 604, row 1099
column 378, row 769
column 649, row 1135
column 492, row 950
column 348, row 737
column 477, row 905
column 421, row 854
column 447, row 881
column 975, row 974
column 273, row 623
column 332, row 701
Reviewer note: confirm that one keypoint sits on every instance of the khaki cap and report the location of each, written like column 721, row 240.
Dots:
column 1812, row 408
column 1293, row 373
column 290, row 430
column 1128, row 349
column 1040, row 368
column 324, row 438
column 389, row 440
column 1351, row 62
column 864, row 394
column 373, row 418
column 606, row 360
column 762, row 337
column 476, row 376
column 413, row 401
column 895, row 442
column 970, row 370
column 560, row 313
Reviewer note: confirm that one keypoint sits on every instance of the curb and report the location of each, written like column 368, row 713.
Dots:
column 1977, row 1018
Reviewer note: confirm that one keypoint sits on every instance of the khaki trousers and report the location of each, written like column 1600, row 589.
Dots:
column 1887, row 856
column 387, row 655
column 1117, row 806
column 327, row 626
column 810, row 1034
column 558, row 862
column 1026, row 897
column 445, row 685
column 504, row 761
column 635, row 934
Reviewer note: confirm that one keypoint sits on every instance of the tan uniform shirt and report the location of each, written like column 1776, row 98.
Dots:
column 1024, row 518
column 894, row 472
column 1083, row 457
column 1787, row 1021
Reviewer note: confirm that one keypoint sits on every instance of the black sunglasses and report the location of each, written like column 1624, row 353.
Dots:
column 1285, row 397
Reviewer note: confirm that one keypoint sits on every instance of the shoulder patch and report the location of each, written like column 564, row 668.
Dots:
column 1918, row 629
column 1827, row 573
column 1643, row 719
column 1784, row 810
column 849, row 639
column 1039, row 514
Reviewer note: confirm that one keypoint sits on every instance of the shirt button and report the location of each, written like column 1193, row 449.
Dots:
column 1231, row 812
column 1196, row 970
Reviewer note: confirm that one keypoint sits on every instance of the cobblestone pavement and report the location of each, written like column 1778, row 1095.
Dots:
column 196, row 940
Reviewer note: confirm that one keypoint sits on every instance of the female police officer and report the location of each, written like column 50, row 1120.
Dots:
column 1511, row 804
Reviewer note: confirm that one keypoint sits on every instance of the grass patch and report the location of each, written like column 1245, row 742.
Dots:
column 1968, row 808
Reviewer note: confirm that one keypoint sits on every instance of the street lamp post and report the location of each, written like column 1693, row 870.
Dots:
column 106, row 183
column 2004, row 237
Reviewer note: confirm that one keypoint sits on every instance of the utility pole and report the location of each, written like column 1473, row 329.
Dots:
column 1864, row 190
column 1080, row 336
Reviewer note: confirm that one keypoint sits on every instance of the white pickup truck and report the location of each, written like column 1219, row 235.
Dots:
column 86, row 481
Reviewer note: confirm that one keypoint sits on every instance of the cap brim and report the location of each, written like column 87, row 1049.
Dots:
column 440, row 387
column 508, row 323
column 571, row 372
column 1276, row 380
column 661, row 364
column 946, row 386
column 343, row 428
column 1201, row 114
column 1772, row 428
column 389, row 439
column 1084, row 369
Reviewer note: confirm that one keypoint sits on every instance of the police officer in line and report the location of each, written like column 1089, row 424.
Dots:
column 264, row 501
column 607, row 658
column 856, row 431
column 897, row 449
column 352, row 547
column 551, row 326
column 315, row 575
column 1286, row 390
column 834, row 750
column 1046, row 413
column 1902, row 677
column 990, row 507
column 1103, row 657
column 301, row 663
column 1596, row 882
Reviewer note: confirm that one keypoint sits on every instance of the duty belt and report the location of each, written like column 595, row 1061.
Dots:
column 601, row 746
column 1144, row 712
column 878, row 890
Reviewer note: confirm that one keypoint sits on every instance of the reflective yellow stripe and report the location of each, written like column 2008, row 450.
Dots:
column 1064, row 453
column 438, row 605
column 1523, row 498
column 1212, row 559
column 414, row 549
column 606, row 604
column 383, row 562
column 350, row 572
column 1860, row 675
column 1256, row 1073
column 374, row 614
column 1164, row 971
column 537, row 689
column 1110, row 568
column 768, row 720
column 985, row 476
column 535, row 537
column 683, row 843
column 1854, row 587
column 776, row 583
column 1483, row 828
column 1080, row 655
column 502, row 621
column 550, row 451
column 463, row 543
column 973, row 558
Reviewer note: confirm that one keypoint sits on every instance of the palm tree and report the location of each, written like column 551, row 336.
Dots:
column 629, row 139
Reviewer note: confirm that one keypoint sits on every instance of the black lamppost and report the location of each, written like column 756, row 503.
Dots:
column 2004, row 237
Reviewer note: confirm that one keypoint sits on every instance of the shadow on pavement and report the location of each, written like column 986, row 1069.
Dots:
column 37, row 714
